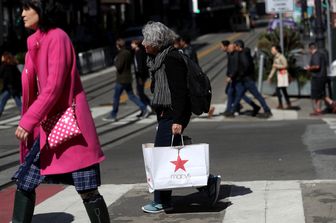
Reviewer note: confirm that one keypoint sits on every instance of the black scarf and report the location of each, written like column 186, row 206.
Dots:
column 161, row 92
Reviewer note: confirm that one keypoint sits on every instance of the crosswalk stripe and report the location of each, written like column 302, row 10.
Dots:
column 252, row 202
column 69, row 202
column 269, row 201
column 217, row 117
column 220, row 108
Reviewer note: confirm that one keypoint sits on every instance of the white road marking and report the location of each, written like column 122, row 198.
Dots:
column 268, row 202
column 68, row 201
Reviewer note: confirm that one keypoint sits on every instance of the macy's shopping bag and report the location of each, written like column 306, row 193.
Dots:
column 176, row 167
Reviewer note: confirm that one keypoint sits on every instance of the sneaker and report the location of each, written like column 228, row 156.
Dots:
column 110, row 118
column 213, row 188
column 144, row 114
column 154, row 208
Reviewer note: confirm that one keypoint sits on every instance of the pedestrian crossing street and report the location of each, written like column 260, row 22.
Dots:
column 250, row 202
column 99, row 112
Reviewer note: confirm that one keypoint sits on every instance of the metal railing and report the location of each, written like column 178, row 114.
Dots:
column 95, row 59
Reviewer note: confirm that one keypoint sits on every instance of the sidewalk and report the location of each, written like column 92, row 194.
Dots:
column 239, row 202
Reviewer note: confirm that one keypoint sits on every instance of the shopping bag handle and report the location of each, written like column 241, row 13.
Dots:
column 172, row 140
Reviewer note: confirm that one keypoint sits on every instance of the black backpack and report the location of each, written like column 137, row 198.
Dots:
column 199, row 87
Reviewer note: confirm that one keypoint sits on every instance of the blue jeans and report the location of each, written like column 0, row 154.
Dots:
column 252, row 88
column 4, row 98
column 231, row 94
column 119, row 88
column 163, row 138
column 248, row 85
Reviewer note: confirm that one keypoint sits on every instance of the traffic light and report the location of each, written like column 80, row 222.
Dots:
column 195, row 8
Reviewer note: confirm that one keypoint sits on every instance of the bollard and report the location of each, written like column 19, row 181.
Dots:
column 261, row 71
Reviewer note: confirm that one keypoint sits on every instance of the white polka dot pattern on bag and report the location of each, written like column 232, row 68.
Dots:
column 61, row 127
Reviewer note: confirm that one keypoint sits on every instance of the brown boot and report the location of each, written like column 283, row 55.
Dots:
column 279, row 107
column 289, row 106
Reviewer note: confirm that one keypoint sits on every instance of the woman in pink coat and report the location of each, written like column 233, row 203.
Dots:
column 51, row 84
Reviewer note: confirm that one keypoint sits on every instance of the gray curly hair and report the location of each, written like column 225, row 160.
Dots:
column 158, row 35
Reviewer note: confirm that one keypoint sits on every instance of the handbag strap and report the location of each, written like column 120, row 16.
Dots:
column 172, row 140
column 73, row 105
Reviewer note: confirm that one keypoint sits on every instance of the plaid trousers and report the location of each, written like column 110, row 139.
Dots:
column 28, row 176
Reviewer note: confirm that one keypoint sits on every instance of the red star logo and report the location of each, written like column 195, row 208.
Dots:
column 179, row 163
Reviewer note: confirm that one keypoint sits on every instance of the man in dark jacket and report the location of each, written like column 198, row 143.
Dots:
column 11, row 79
column 230, row 88
column 123, row 62
column 243, row 74
column 141, row 71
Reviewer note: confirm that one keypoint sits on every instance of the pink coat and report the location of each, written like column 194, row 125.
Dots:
column 51, row 61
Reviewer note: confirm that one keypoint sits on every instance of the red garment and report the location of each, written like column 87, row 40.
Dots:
column 52, row 59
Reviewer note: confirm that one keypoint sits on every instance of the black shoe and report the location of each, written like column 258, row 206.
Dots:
column 266, row 114
column 256, row 110
column 213, row 188
column 140, row 114
column 229, row 114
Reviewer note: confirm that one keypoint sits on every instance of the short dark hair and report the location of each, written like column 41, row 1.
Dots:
column 239, row 43
column 186, row 39
column 51, row 13
column 225, row 42
column 121, row 43
column 312, row 45
column 278, row 48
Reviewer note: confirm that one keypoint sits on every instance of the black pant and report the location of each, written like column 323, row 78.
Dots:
column 284, row 91
column 140, row 85
column 163, row 138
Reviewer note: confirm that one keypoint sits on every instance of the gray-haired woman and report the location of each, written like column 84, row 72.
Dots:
column 170, row 100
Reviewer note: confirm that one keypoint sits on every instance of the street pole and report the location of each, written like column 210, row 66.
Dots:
column 319, row 25
column 329, row 34
column 281, row 33
column 261, row 71
column 304, row 17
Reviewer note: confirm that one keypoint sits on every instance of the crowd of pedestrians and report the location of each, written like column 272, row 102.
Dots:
column 49, row 87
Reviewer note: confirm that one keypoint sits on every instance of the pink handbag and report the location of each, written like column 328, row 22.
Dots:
column 61, row 127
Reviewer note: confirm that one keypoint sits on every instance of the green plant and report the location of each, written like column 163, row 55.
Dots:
column 292, row 49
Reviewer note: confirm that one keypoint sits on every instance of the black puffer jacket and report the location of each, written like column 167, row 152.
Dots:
column 11, row 77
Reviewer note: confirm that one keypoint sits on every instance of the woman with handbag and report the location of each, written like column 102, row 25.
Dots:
column 52, row 90
column 280, row 67
column 170, row 101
